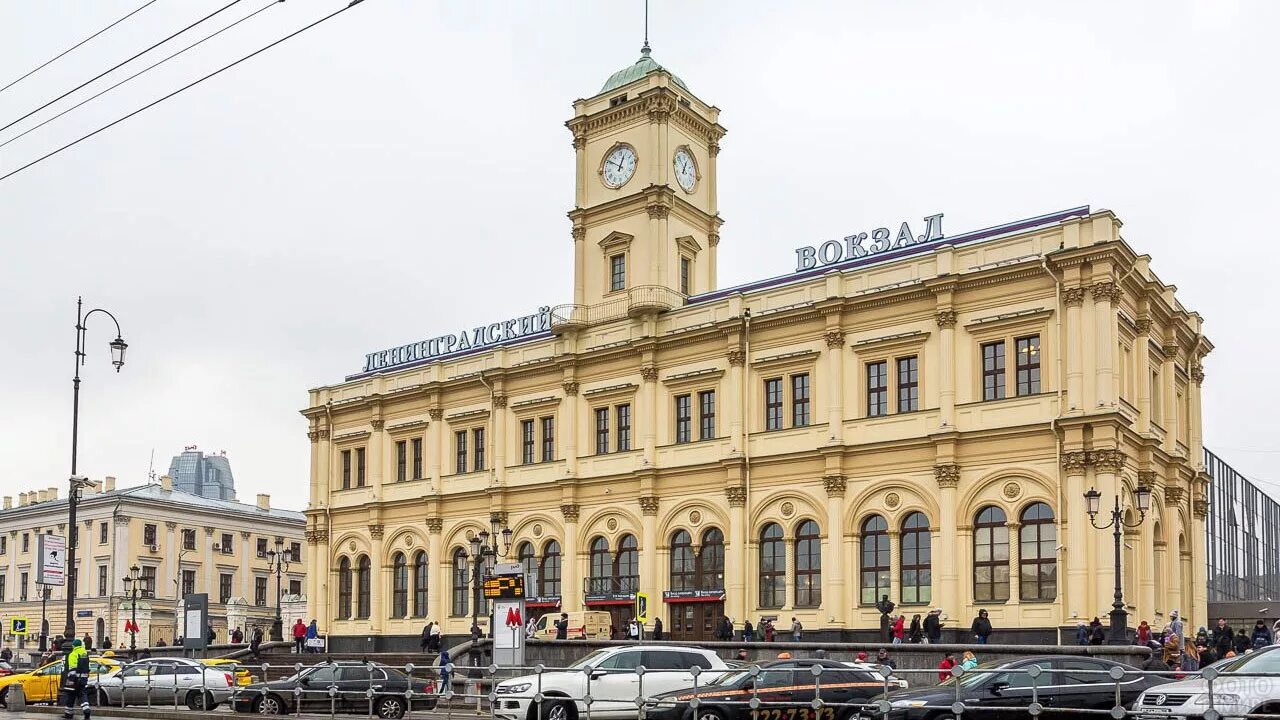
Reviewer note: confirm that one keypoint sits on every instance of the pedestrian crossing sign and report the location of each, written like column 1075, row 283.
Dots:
column 18, row 626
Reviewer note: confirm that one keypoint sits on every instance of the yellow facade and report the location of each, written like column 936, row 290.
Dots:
column 1114, row 403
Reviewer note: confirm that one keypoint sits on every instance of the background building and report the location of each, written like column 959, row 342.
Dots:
column 1243, row 547
column 181, row 543
column 907, row 414
column 208, row 476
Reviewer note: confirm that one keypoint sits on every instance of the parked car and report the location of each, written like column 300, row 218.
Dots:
column 612, row 682
column 1074, row 683
column 351, row 682
column 785, row 688
column 235, row 667
column 6, row 669
column 895, row 683
column 1232, row 696
column 164, row 681
column 41, row 685
column 583, row 625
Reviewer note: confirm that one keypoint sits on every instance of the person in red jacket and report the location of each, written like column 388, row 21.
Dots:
column 944, row 667
column 299, row 636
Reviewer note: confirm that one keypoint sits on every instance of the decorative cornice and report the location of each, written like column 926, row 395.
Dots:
column 1142, row 325
column 1107, row 291
column 570, row 511
column 946, row 318
column 1200, row 508
column 499, row 400
column 736, row 495
column 317, row 536
column 313, row 435
column 1075, row 462
column 377, row 425
column 579, row 232
column 435, row 525
column 834, row 338
column 1197, row 373
column 649, row 373
column 1147, row 477
column 168, row 524
column 737, row 358
column 1170, row 351
column 435, row 413
column 834, row 485
column 649, row 505
column 947, row 475
column 375, row 531
column 1174, row 495
column 713, row 239
column 1108, row 460
column 660, row 108
column 570, row 387
column 1073, row 296
column 579, row 142
column 713, row 148
column 657, row 211
column 124, row 520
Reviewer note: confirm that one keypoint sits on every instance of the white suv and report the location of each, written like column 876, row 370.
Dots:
column 1233, row 695
column 609, row 677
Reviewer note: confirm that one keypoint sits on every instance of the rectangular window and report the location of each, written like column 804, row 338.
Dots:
column 359, row 467
column 102, row 533
column 262, row 547
column 993, row 371
column 295, row 587
column 260, row 592
column 773, row 404
column 189, row 539
column 227, row 547
column 24, row 580
column 460, row 449
column 602, row 430
column 102, row 580
column 346, row 469
column 684, row 419
column 526, row 441
column 477, row 452
column 2, row 583
column 402, row 461
column 706, row 414
column 1155, row 395
column 624, row 428
column 224, row 588
column 295, row 552
column 4, row 544
column 877, row 389
column 908, row 384
column 416, row 447
column 188, row 582
column 1027, row 364
column 800, row 400
column 617, row 272
column 26, row 542
column 684, row 275
column 148, row 534
column 149, row 581
column 548, row 439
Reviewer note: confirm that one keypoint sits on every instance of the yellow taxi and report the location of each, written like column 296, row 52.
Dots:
column 41, row 685
column 234, row 667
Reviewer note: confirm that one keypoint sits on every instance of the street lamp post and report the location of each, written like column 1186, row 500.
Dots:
column 118, row 347
column 44, row 624
column 133, row 586
column 278, row 562
column 177, row 592
column 1118, row 634
column 484, row 555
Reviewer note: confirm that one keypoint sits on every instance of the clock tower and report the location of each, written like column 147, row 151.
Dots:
column 645, row 221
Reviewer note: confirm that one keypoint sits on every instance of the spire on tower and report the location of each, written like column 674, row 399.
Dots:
column 644, row 49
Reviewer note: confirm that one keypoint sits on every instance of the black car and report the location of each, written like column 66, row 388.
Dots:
column 784, row 690
column 1061, row 683
column 350, row 683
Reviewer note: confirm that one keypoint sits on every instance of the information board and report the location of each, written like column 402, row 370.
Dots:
column 51, row 560
column 504, row 587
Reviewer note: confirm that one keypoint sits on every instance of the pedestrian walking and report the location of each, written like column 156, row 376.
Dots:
column 435, row 638
column 768, row 630
column 299, row 635
column 944, row 667
column 657, row 628
column 1190, row 656
column 1096, row 634
column 1144, row 633
column 1221, row 637
column 237, row 637
column 1241, row 642
column 256, row 642
column 444, row 662
column 724, row 629
column 899, row 629
column 981, row 627
column 1175, row 624
column 562, row 627
column 796, row 629
column 933, row 626
column 425, row 641
column 1260, row 633
column 915, row 633
column 313, row 633
column 748, row 632
column 75, row 679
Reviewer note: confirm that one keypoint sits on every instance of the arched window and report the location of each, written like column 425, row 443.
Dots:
column 461, row 581
column 773, row 567
column 990, row 555
column 550, row 575
column 917, row 557
column 711, row 560
column 344, row 589
column 1037, row 554
column 399, row 586
column 808, row 565
column 875, row 560
column 527, row 560
column 363, row 578
column 420, row 571
column 601, row 567
column 683, row 574
column 627, row 564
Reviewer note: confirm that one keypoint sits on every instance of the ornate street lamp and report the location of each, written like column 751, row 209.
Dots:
column 484, row 556
column 1118, row 634
column 278, row 562
column 132, row 587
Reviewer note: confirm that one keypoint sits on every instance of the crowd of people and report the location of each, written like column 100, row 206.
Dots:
column 1173, row 648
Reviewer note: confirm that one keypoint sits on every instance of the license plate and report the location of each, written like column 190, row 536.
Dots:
column 1154, row 712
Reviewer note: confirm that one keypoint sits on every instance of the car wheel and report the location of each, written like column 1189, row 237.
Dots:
column 391, row 708
column 201, row 701
column 710, row 713
column 103, row 699
column 269, row 705
column 559, row 710
column 4, row 697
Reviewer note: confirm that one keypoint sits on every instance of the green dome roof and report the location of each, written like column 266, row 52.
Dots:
column 631, row 73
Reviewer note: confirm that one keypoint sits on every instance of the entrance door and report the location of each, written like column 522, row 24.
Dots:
column 619, row 617
column 695, row 620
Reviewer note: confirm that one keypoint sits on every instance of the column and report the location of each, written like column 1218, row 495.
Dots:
column 319, row 489
column 853, row 588
column 835, row 395
column 87, row 582
column 435, row 446
column 1075, row 524
column 1199, row 568
column 1196, row 434
column 895, row 565
column 1106, row 465
column 946, row 319
column 210, row 572
column 1105, row 297
column 833, row 576
column 498, row 422
column 737, row 567
column 169, row 571
column 648, row 419
column 380, row 582
column 1168, row 387
column 245, row 581
column 579, row 266
column 376, row 454
column 571, row 582
column 735, row 404
column 436, row 559
column 946, row 573
column 569, row 433
column 1015, row 564
column 324, row 573
column 119, row 554
column 1146, row 536
column 1142, row 369
column 649, row 566
column 1073, row 298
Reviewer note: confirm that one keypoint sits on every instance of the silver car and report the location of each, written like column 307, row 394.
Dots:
column 166, row 681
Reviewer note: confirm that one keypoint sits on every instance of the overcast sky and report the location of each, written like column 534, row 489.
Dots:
column 403, row 170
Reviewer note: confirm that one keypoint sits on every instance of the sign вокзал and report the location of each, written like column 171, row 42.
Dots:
column 853, row 247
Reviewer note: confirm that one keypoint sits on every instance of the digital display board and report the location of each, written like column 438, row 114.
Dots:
column 504, row 587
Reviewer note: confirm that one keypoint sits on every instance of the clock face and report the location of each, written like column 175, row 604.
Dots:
column 686, row 171
column 619, row 166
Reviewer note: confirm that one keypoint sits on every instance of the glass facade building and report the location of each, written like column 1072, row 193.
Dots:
column 208, row 476
column 1243, row 529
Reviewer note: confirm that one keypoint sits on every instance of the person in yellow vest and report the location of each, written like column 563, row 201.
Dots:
column 75, row 679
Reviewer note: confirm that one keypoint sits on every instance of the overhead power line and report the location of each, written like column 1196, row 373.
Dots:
column 188, row 86
column 42, row 65
column 118, row 65
column 147, row 69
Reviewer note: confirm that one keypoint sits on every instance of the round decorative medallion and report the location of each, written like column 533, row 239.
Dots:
column 470, row 534
column 695, row 517
column 891, row 500
column 537, row 530
column 611, row 524
column 788, row 509
column 1012, row 490
column 351, row 546
column 408, row 541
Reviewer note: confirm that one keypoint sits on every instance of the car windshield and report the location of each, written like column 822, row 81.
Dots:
column 729, row 678
column 591, row 659
column 971, row 678
column 1267, row 662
